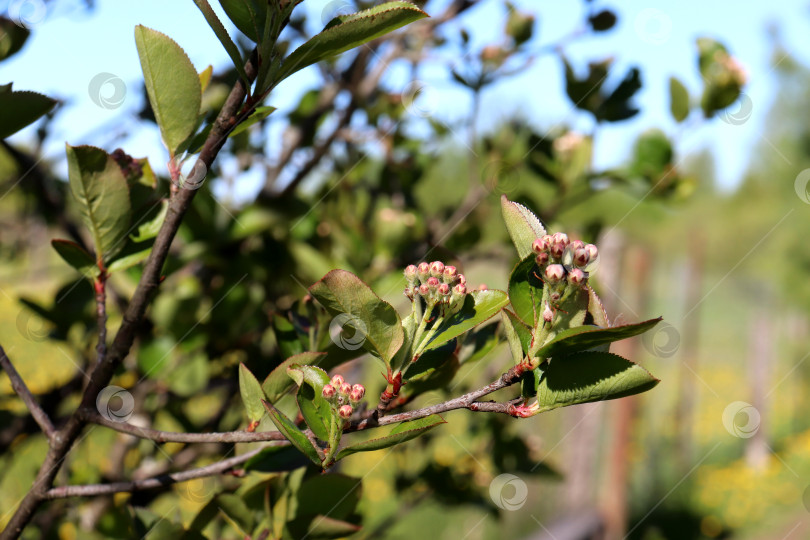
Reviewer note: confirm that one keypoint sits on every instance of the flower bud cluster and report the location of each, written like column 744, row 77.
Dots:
column 343, row 395
column 437, row 283
column 559, row 258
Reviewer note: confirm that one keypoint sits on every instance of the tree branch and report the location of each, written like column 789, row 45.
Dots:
column 25, row 394
column 63, row 440
column 163, row 480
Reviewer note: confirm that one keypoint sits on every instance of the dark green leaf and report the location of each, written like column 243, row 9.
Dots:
column 252, row 394
column 401, row 433
column 222, row 34
column 678, row 100
column 321, row 527
column 257, row 116
column 278, row 381
column 76, row 256
column 348, row 31
column 247, row 15
column 236, row 511
column 590, row 376
column 526, row 291
column 172, row 84
column 150, row 228
column 292, row 433
column 19, row 109
column 602, row 21
column 375, row 324
column 522, row 224
column 318, row 413
column 479, row 306
column 276, row 459
column 335, row 495
column 582, row 338
column 12, row 38
column 287, row 338
column 102, row 194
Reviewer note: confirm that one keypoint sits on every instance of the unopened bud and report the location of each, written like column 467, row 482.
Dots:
column 576, row 276
column 577, row 244
column 555, row 272
column 560, row 238
column 408, row 292
column 482, row 287
column 593, row 252
column 542, row 258
column 557, row 249
column 357, row 393
column 581, row 257
column 328, row 391
column 444, row 289
column 337, row 380
column 462, row 280
column 345, row 411
column 433, row 282
column 345, row 389
column 460, row 289
column 450, row 274
column 424, row 290
column 423, row 271
column 436, row 268
column 410, row 274
column 548, row 315
column 537, row 246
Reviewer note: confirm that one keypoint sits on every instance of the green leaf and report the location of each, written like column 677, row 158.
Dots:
column 287, row 339
column 582, row 338
column 252, row 394
column 348, row 31
column 222, row 34
column 77, row 257
column 172, row 84
column 318, row 413
column 516, row 346
column 322, row 527
column 278, row 381
column 479, row 306
column 276, row 459
column 401, row 433
column 335, row 495
column 19, row 109
column 292, row 433
column 526, row 291
column 133, row 253
column 590, row 376
column 376, row 324
column 151, row 227
column 522, row 224
column 12, row 37
column 247, row 15
column 596, row 310
column 102, row 193
column 236, row 511
column 678, row 100
column 257, row 116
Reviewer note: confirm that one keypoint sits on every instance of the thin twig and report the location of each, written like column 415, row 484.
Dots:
column 100, row 285
column 163, row 480
column 25, row 394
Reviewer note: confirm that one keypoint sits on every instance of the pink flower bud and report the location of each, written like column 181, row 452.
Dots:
column 577, row 244
column 450, row 274
column 537, row 246
column 436, row 268
column 433, row 282
column 576, row 276
column 423, row 271
column 593, row 252
column 345, row 411
column 410, row 273
column 328, row 391
column 482, row 287
column 337, row 380
column 424, row 290
column 408, row 292
column 557, row 249
column 554, row 273
column 460, row 289
column 462, row 280
column 581, row 257
column 560, row 238
column 358, row 391
column 548, row 315
column 345, row 389
column 444, row 289
column 542, row 258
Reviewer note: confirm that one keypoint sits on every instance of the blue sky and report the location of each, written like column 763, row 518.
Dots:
column 70, row 46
